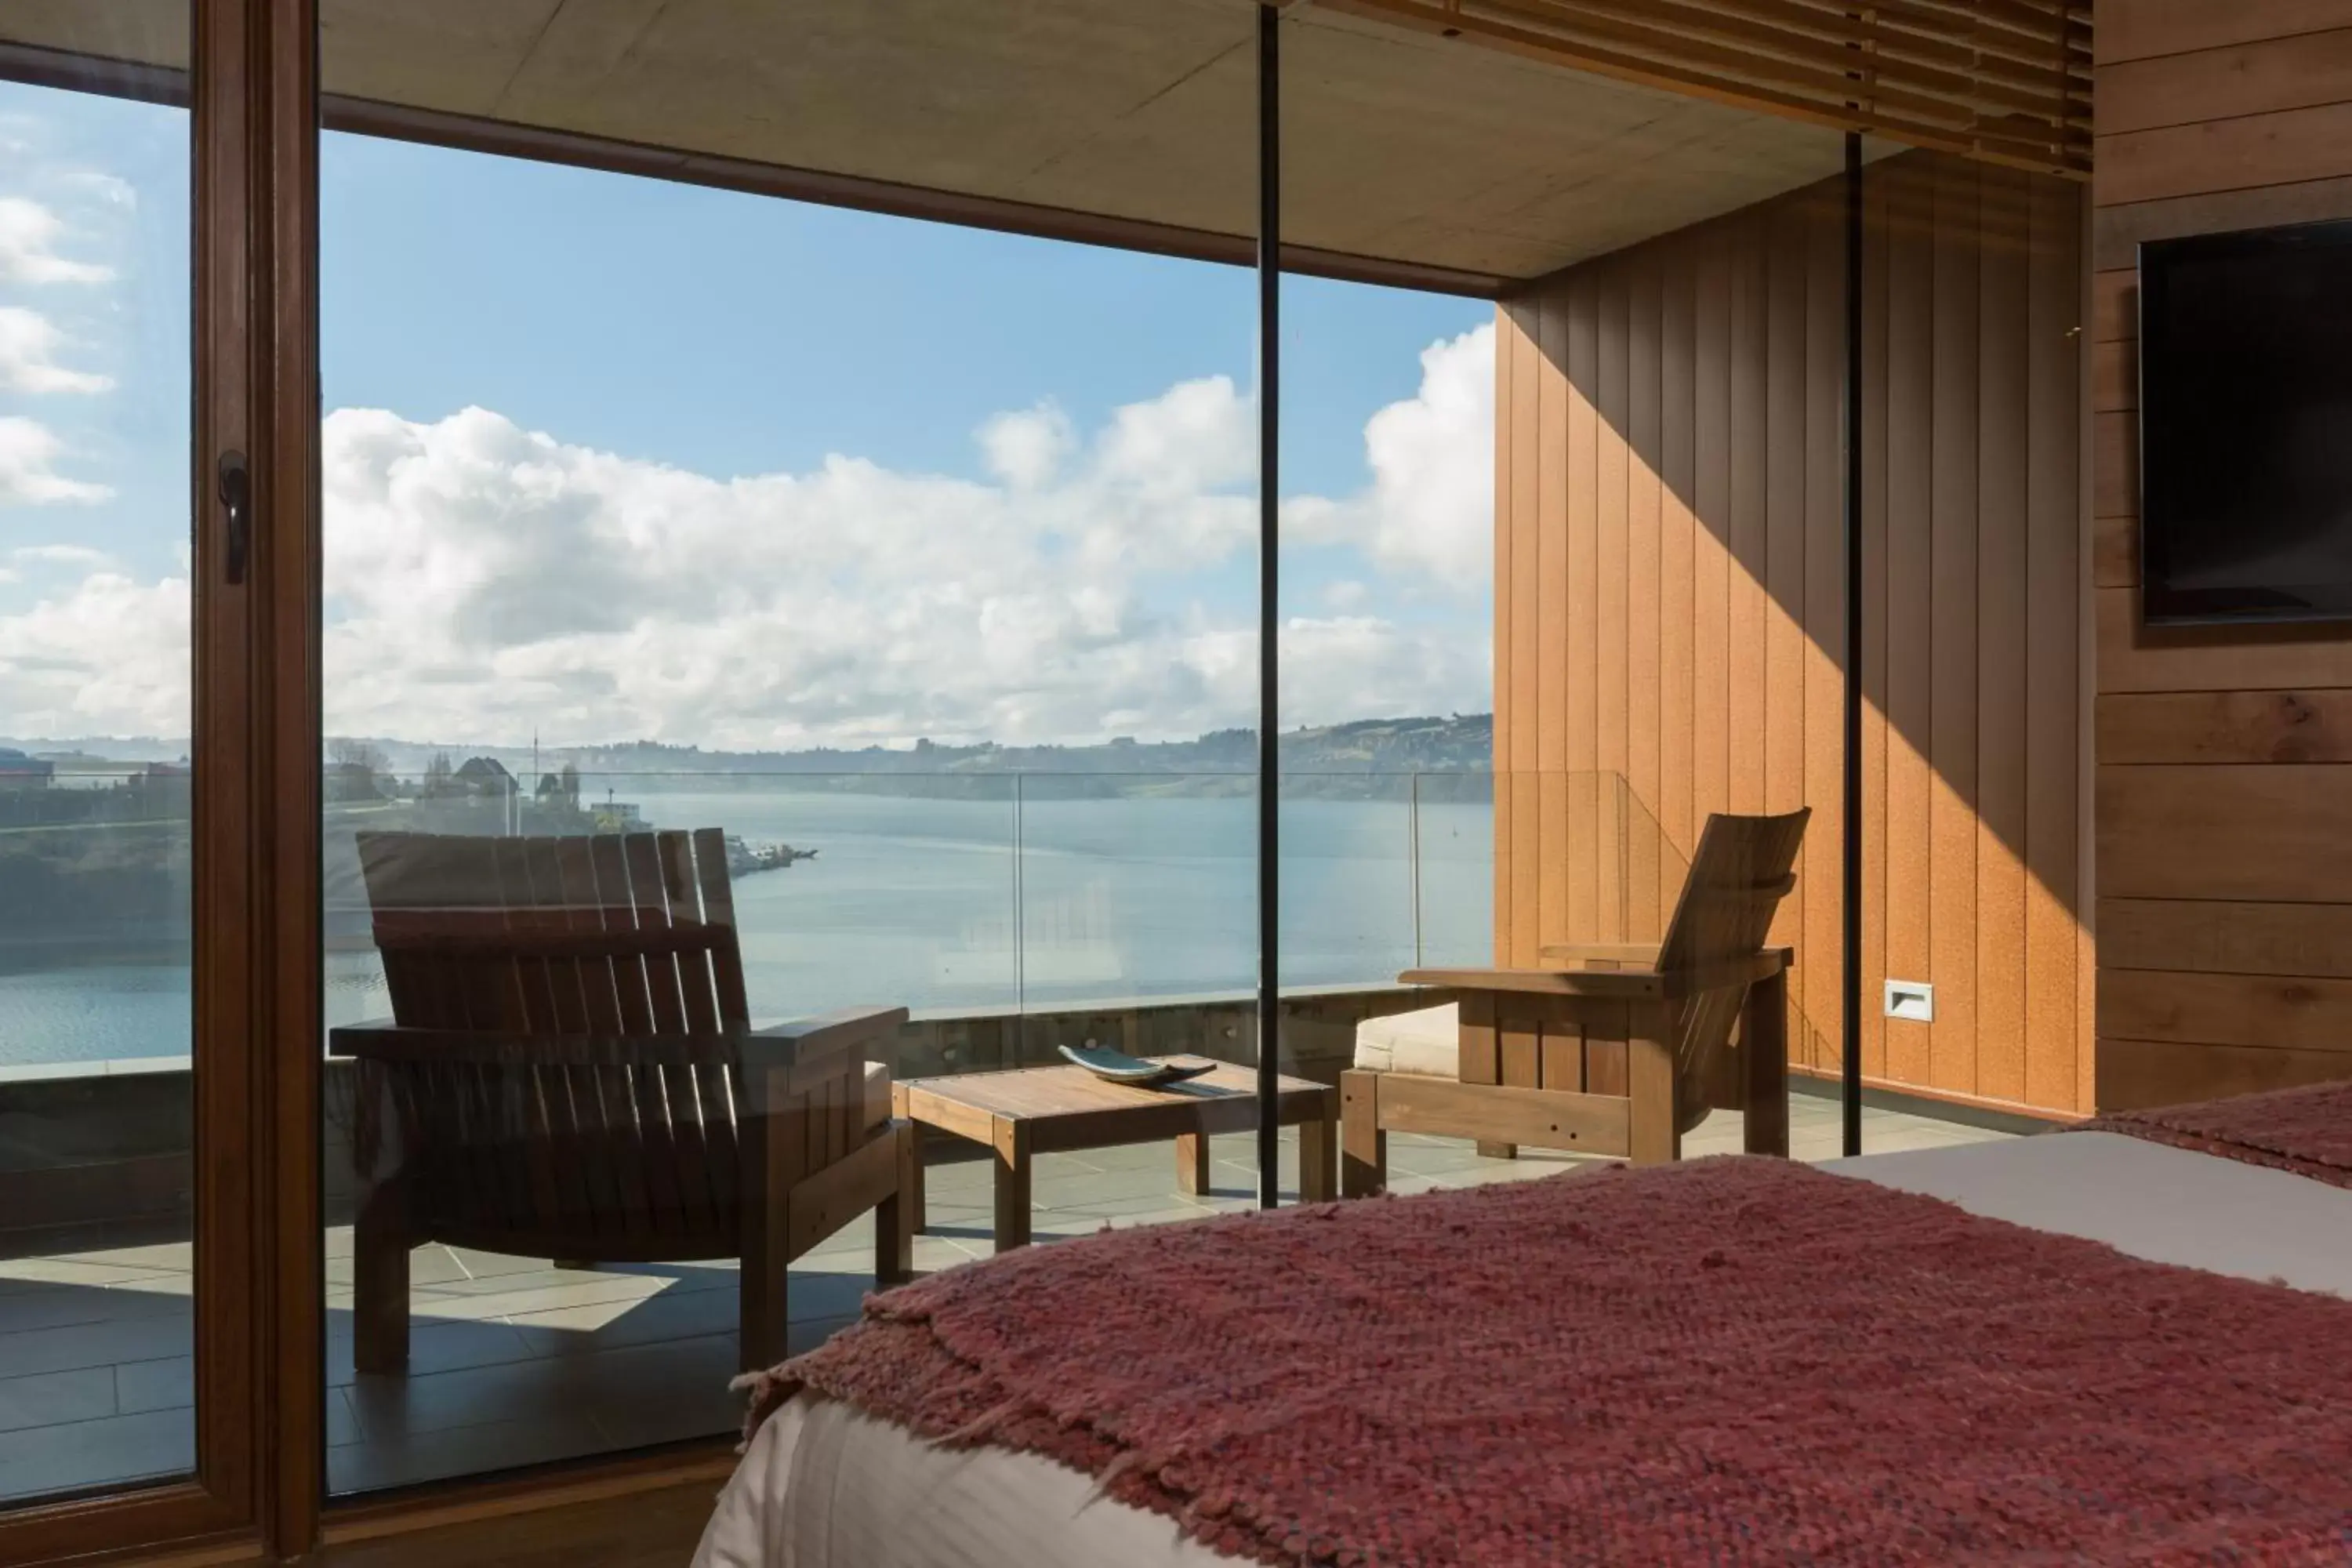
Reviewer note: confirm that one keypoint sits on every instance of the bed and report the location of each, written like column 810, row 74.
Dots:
column 825, row 1481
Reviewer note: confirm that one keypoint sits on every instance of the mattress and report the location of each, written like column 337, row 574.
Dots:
column 823, row 1485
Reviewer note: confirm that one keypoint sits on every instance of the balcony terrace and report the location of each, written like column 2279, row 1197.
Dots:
column 515, row 1363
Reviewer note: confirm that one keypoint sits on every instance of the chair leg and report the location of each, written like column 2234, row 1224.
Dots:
column 1364, row 1145
column 1319, row 1168
column 897, row 1217
column 1764, row 1060
column 380, row 1278
column 765, row 1316
column 1650, row 1086
column 766, row 1144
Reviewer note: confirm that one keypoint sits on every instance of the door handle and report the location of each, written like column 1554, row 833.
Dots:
column 237, row 496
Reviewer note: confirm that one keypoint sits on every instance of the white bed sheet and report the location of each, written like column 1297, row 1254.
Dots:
column 823, row 1485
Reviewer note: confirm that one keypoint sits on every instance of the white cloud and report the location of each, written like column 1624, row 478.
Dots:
column 1431, row 507
column 484, row 583
column 28, row 345
column 27, row 477
column 110, row 189
column 28, row 236
column 59, row 554
column 108, row 656
column 1027, row 449
column 1364, row 667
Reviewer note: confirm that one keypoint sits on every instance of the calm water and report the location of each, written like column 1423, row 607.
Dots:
column 919, row 902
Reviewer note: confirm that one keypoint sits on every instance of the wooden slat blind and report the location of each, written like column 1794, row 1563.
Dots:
column 2007, row 82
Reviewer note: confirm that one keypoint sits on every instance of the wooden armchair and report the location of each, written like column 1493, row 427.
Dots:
column 571, row 1074
column 1617, row 1048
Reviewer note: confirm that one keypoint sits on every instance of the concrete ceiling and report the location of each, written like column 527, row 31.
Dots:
column 1399, row 146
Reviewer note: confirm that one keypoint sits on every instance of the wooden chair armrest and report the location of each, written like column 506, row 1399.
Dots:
column 821, row 1035
column 1643, row 984
column 1641, row 954
column 493, row 1048
column 1619, row 984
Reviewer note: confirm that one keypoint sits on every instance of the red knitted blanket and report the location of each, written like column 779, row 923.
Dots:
column 1733, row 1360
column 2307, row 1131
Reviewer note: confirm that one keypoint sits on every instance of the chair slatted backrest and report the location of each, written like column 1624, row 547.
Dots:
column 1743, row 869
column 620, row 935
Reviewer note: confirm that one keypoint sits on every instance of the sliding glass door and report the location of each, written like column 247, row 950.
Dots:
column 748, row 604
column 97, row 1322
column 146, row 542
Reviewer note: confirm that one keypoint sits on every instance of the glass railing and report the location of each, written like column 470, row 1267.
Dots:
column 94, row 897
column 984, row 893
column 1581, row 856
column 952, row 894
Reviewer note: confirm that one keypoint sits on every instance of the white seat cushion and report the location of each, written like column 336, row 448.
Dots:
column 877, row 1094
column 1428, row 1042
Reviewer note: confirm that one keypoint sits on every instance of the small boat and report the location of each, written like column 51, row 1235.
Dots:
column 743, row 858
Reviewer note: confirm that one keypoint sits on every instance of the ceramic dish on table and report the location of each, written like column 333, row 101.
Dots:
column 1140, row 1073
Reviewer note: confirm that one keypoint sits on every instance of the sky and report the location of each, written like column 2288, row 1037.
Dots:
column 607, row 458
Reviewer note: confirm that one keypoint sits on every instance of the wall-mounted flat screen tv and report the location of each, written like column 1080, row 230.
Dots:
column 2246, row 412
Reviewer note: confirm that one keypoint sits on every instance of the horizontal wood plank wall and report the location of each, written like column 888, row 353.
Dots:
column 1670, row 604
column 2224, row 755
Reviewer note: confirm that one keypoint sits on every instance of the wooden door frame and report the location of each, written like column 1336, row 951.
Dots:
column 285, row 630
column 258, row 1306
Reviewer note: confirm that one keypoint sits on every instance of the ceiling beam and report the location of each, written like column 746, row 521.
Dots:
column 2006, row 81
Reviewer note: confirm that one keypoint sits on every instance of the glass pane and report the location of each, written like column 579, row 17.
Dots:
column 1604, row 512
column 1389, row 576
column 96, row 1177
column 1454, row 856
column 738, row 610
column 1130, row 885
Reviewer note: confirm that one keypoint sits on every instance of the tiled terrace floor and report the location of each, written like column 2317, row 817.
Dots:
column 516, row 1363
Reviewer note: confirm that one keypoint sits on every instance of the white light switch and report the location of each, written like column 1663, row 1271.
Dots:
column 1912, row 999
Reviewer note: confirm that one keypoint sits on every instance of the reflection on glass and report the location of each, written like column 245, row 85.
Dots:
column 1454, row 860
column 971, row 894
column 96, row 1175
column 701, row 658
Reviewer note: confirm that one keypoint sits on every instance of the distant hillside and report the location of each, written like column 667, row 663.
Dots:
column 1464, row 742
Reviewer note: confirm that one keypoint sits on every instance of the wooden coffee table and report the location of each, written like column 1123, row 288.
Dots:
column 1056, row 1110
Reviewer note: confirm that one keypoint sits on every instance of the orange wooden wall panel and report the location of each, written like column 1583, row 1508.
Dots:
column 1774, row 356
column 2000, row 837
column 1579, row 342
column 1525, row 590
column 2220, row 850
column 1952, row 630
column 1690, row 576
column 1557, row 400
column 1876, row 267
column 1548, row 717
column 1907, row 613
column 2057, row 714
column 1677, row 555
column 1820, row 629
column 1715, row 532
column 1611, row 632
column 1747, row 499
column 1647, row 895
